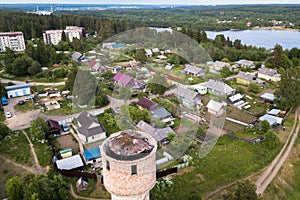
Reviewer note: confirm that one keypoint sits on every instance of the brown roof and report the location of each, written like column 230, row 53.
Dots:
column 146, row 103
column 130, row 143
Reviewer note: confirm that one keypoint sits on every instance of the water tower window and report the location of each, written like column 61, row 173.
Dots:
column 107, row 165
column 133, row 169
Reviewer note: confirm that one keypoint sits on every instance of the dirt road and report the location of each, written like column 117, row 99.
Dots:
column 269, row 174
column 37, row 164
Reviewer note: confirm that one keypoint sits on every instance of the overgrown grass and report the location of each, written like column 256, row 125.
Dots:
column 43, row 151
column 230, row 160
column 28, row 106
column 16, row 147
column 65, row 109
column 7, row 171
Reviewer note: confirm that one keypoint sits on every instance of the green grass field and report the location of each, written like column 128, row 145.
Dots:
column 230, row 160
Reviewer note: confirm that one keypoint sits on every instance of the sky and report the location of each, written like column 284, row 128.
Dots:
column 170, row 2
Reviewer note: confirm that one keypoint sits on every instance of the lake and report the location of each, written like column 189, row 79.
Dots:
column 262, row 38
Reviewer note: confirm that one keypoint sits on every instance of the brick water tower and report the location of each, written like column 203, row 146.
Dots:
column 129, row 168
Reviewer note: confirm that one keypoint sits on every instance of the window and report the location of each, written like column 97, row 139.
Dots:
column 133, row 169
column 107, row 165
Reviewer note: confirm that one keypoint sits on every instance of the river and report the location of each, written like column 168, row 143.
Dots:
column 262, row 38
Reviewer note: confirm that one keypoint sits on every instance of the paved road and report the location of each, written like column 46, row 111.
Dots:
column 269, row 174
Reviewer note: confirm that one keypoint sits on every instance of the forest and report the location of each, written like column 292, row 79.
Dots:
column 204, row 17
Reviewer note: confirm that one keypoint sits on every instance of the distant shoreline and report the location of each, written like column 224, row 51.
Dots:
column 275, row 28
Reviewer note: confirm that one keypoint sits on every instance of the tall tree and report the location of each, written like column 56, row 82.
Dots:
column 288, row 92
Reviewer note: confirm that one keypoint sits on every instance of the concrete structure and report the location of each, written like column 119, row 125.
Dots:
column 13, row 40
column 129, row 165
column 55, row 36
column 74, row 32
column 18, row 90
column 52, row 36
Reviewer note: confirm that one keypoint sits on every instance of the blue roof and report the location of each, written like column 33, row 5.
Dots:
column 118, row 45
column 268, row 96
column 274, row 112
column 20, row 86
column 91, row 154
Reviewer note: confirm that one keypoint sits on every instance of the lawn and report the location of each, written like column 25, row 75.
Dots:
column 230, row 160
column 28, row 106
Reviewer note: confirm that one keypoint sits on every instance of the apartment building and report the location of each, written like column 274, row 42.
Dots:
column 13, row 40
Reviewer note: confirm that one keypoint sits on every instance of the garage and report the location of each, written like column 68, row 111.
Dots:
column 18, row 90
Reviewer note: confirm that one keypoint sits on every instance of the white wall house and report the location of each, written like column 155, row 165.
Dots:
column 89, row 129
column 18, row 90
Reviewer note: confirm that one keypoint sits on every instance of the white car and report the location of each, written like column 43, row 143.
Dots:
column 8, row 114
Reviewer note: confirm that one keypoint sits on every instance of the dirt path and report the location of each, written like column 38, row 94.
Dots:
column 27, row 168
column 37, row 164
column 269, row 174
column 3, row 80
column 79, row 197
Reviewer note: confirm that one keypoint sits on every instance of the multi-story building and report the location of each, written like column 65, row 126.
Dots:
column 52, row 36
column 13, row 40
column 55, row 36
column 74, row 32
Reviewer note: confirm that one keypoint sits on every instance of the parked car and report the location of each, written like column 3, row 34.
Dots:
column 27, row 98
column 65, row 127
column 8, row 114
column 21, row 102
column 4, row 101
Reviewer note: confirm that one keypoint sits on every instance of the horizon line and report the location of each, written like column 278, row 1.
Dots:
column 151, row 4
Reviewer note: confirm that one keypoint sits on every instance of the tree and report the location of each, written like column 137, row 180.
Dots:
column 9, row 57
column 225, row 72
column 34, row 68
column 272, row 139
column 288, row 92
column 158, row 84
column 246, row 190
column 279, row 59
column 141, row 55
column 38, row 129
column 253, row 87
column 71, row 78
column 124, row 93
column 101, row 100
column 4, row 131
column 2, row 90
column 220, row 41
column 265, row 126
column 15, row 188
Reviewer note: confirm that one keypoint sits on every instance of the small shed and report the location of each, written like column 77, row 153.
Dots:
column 215, row 108
column 18, row 90
column 54, row 127
column 66, row 153
column 82, row 184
